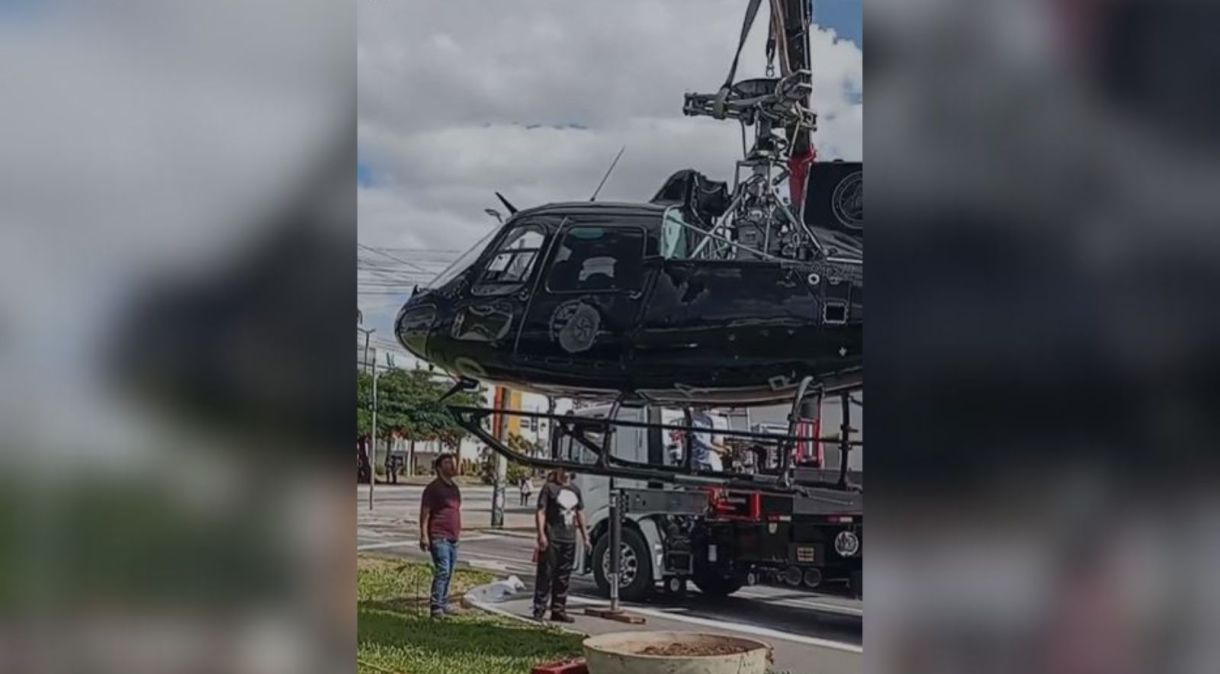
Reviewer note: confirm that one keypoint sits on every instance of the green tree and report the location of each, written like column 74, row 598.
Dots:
column 364, row 404
column 409, row 405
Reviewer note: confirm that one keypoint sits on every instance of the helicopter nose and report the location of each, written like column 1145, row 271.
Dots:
column 413, row 324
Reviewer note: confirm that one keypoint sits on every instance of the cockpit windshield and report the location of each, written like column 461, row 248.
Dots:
column 462, row 263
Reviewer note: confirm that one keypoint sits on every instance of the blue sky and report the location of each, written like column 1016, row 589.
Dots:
column 845, row 16
column 364, row 174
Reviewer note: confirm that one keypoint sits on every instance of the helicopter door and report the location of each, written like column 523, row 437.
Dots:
column 587, row 303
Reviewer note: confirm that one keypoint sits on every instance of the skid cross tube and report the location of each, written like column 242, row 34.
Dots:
column 844, row 430
column 794, row 418
column 462, row 384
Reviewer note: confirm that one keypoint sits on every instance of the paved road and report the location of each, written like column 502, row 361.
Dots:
column 798, row 624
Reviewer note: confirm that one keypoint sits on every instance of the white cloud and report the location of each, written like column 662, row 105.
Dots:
column 447, row 91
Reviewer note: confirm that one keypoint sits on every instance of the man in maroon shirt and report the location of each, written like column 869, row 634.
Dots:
column 440, row 526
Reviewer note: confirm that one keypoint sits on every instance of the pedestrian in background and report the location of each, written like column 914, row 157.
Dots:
column 560, row 517
column 527, row 488
column 440, row 527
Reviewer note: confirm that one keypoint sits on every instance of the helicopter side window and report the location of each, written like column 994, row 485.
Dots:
column 512, row 263
column 674, row 235
column 594, row 259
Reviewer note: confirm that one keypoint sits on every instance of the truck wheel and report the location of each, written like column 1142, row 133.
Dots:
column 635, row 569
column 715, row 585
column 711, row 581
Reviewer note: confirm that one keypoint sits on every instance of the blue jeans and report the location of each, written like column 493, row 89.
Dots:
column 444, row 557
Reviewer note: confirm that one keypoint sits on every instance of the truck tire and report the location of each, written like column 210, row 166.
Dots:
column 636, row 567
column 711, row 581
column 715, row 585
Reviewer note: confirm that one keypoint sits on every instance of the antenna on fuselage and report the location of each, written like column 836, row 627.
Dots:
column 608, row 172
column 511, row 208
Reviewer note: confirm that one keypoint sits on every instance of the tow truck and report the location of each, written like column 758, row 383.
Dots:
column 718, row 538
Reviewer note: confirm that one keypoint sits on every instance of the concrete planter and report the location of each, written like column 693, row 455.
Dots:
column 627, row 653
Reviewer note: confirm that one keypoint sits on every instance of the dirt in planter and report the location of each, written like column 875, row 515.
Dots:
column 688, row 649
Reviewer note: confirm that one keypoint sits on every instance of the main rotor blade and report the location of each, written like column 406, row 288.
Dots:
column 511, row 208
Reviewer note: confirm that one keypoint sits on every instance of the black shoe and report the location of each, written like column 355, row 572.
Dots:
column 438, row 614
column 539, row 615
column 561, row 617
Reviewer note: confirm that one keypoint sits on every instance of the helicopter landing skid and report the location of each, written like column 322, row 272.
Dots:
column 582, row 432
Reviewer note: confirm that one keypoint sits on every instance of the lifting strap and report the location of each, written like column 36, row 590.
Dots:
column 722, row 96
column 771, row 55
column 779, row 33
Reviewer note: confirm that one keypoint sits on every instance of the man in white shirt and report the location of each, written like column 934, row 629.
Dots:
column 707, row 447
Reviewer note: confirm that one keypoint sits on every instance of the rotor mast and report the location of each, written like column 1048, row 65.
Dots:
column 759, row 220
column 790, row 22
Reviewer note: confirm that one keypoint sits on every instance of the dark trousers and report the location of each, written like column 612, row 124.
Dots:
column 554, row 573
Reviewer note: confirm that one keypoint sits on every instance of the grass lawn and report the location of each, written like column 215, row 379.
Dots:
column 395, row 633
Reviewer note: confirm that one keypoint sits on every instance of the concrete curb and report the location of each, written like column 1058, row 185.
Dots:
column 471, row 603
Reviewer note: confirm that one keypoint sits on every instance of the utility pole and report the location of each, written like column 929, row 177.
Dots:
column 373, row 447
column 367, row 334
column 498, row 429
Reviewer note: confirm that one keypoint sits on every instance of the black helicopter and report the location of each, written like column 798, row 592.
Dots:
column 592, row 299
column 705, row 295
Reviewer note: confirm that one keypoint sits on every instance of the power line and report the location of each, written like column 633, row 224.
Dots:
column 414, row 251
column 392, row 257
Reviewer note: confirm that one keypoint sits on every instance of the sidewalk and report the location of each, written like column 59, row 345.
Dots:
column 517, row 520
column 391, row 507
column 787, row 661
column 423, row 480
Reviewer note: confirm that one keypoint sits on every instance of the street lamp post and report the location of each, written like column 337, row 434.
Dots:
column 501, row 465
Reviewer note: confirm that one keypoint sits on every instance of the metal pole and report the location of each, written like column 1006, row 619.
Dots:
column 497, row 494
column 367, row 333
column 373, row 448
column 616, row 512
column 550, row 423
column 688, row 444
column 616, row 537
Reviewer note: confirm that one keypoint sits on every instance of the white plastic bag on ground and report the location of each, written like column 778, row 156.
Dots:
column 499, row 591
